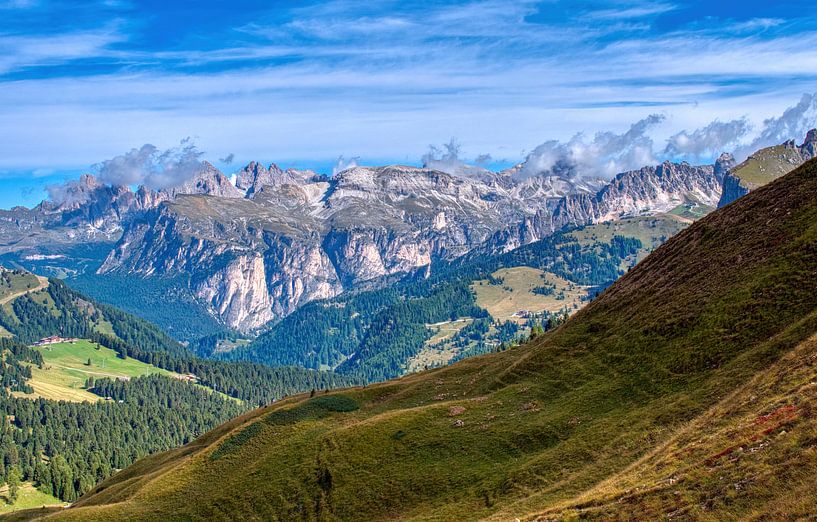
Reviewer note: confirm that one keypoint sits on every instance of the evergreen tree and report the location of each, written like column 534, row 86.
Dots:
column 13, row 480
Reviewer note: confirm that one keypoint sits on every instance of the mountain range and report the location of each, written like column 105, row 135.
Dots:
column 685, row 390
column 258, row 250
column 252, row 251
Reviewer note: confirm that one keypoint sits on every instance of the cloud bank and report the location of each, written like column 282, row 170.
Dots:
column 152, row 167
column 794, row 123
column 707, row 141
column 605, row 155
column 70, row 193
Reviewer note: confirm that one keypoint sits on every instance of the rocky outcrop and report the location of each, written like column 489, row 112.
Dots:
column 208, row 181
column 649, row 190
column 248, row 275
column 765, row 166
column 255, row 176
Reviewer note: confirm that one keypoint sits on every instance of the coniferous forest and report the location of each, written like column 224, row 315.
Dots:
column 65, row 448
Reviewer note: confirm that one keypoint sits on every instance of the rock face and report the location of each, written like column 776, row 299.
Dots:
column 646, row 191
column 209, row 181
column 766, row 165
column 296, row 236
column 255, row 251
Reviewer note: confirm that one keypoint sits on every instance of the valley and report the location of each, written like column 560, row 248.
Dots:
column 472, row 260
column 465, row 334
column 88, row 389
column 683, row 389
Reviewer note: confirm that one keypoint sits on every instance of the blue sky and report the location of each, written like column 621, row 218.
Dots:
column 301, row 83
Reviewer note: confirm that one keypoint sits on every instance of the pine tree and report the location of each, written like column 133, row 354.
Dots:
column 13, row 480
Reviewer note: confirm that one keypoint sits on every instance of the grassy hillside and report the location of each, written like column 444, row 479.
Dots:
column 693, row 349
column 14, row 283
column 766, row 165
column 751, row 456
column 511, row 290
column 65, row 371
column 28, row 497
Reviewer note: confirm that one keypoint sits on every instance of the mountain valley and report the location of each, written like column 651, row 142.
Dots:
column 683, row 390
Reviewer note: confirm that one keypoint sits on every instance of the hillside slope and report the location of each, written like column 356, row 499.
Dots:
column 552, row 424
column 766, row 165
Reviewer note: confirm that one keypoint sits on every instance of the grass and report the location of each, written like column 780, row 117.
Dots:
column 691, row 211
column 65, row 371
column 766, row 165
column 515, row 293
column 436, row 351
column 446, row 330
column 752, row 453
column 228, row 345
column 652, row 231
column 28, row 497
column 13, row 285
column 681, row 378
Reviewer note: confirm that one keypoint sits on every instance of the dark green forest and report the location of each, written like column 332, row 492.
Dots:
column 186, row 320
column 65, row 448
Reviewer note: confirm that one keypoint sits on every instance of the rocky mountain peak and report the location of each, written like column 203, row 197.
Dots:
column 89, row 181
column 724, row 164
column 255, row 176
column 208, row 181
column 250, row 175
column 809, row 146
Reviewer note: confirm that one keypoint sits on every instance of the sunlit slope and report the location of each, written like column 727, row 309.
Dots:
column 68, row 366
column 531, row 429
column 751, row 456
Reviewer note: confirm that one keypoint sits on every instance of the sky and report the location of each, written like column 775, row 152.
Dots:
column 304, row 83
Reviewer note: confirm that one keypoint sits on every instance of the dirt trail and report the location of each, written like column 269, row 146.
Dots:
column 43, row 283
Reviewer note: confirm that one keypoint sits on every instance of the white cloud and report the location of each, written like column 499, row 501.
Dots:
column 792, row 124
column 606, row 155
column 28, row 51
column 707, row 141
column 344, row 163
column 391, row 83
column 154, row 168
